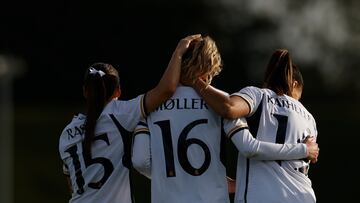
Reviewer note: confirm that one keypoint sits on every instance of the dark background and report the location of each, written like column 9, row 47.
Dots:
column 51, row 43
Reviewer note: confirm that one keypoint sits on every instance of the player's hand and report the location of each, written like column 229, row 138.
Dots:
column 312, row 149
column 184, row 43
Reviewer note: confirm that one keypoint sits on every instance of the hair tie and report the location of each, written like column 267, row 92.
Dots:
column 93, row 71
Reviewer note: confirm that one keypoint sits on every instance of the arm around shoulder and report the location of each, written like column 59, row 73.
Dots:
column 221, row 102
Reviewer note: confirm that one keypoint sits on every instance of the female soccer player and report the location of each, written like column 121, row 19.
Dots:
column 95, row 148
column 274, row 114
column 185, row 145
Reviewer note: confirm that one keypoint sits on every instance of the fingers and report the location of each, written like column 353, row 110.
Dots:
column 309, row 138
column 192, row 37
column 184, row 43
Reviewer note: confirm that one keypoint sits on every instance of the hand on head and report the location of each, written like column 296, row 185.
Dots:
column 184, row 43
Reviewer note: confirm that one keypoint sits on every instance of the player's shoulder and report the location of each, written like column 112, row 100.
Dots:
column 77, row 120
column 123, row 106
column 250, row 93
column 73, row 131
column 253, row 90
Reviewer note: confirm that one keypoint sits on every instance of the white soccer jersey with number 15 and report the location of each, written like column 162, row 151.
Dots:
column 185, row 150
column 277, row 119
column 105, row 176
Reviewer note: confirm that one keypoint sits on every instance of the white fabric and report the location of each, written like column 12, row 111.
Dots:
column 107, row 154
column 252, row 148
column 186, row 114
column 141, row 156
column 235, row 129
column 272, row 181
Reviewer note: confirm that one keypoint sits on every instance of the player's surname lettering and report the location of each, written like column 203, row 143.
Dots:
column 75, row 131
column 183, row 103
column 287, row 104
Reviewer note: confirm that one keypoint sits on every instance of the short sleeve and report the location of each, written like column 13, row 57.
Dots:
column 233, row 126
column 127, row 112
column 141, row 128
column 141, row 156
column 252, row 95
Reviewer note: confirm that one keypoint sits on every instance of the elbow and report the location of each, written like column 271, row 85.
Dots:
column 249, row 155
column 139, row 163
column 143, row 166
column 232, row 109
column 247, row 152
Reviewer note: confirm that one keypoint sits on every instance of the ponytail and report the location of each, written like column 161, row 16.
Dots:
column 95, row 101
column 279, row 73
column 101, row 81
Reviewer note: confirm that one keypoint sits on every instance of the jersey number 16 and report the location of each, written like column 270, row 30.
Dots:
column 182, row 146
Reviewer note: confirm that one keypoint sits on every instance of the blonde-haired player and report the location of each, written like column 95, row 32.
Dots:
column 184, row 137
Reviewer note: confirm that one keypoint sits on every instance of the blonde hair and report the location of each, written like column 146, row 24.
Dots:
column 202, row 59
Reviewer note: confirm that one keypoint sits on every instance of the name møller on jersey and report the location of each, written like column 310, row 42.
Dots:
column 183, row 103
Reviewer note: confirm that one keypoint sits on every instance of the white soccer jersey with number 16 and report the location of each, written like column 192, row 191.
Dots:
column 185, row 150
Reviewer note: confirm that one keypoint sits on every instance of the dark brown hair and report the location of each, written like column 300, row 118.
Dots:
column 281, row 73
column 100, row 82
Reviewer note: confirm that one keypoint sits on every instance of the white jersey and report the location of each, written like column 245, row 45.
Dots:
column 186, row 151
column 277, row 119
column 105, row 176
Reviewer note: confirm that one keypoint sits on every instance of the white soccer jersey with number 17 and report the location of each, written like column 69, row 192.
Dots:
column 105, row 176
column 277, row 119
column 185, row 150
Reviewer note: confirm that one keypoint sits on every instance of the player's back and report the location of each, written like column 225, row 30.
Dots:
column 277, row 119
column 103, row 177
column 185, row 148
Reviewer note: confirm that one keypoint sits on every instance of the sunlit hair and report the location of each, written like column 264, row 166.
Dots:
column 281, row 73
column 202, row 59
column 100, row 82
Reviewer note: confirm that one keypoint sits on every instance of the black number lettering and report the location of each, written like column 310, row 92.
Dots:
column 78, row 173
column 182, row 147
column 168, row 147
column 106, row 163
column 281, row 130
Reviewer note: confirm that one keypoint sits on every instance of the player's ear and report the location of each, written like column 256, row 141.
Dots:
column 295, row 84
column 117, row 93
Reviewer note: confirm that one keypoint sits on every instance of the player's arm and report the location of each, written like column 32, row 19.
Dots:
column 170, row 79
column 221, row 102
column 141, row 155
column 260, row 150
